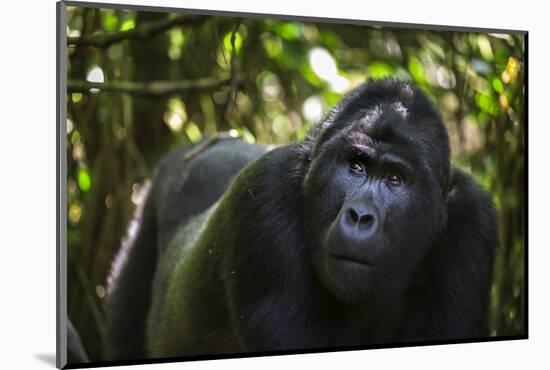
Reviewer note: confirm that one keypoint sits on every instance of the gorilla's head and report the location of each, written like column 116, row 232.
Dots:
column 375, row 190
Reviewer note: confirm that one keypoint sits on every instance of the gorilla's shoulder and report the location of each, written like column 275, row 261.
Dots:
column 228, row 149
column 268, row 188
column 470, row 208
column 283, row 166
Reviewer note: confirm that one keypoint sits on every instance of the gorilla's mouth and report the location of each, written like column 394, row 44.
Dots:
column 351, row 259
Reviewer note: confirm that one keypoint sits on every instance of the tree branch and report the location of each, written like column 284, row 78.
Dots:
column 144, row 31
column 154, row 88
column 233, row 87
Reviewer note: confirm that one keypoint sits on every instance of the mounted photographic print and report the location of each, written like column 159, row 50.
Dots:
column 236, row 185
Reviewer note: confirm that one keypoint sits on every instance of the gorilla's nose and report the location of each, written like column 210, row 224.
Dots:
column 359, row 221
column 363, row 219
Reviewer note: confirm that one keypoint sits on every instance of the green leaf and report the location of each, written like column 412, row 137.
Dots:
column 110, row 23
column 380, row 69
column 497, row 85
column 84, row 180
column 128, row 24
column 289, row 30
column 487, row 103
column 272, row 45
column 330, row 39
column 177, row 37
column 193, row 132
column 416, row 69
column 227, row 42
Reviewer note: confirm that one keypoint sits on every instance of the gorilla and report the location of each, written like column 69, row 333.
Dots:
column 360, row 234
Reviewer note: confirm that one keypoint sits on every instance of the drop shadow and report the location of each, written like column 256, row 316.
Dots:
column 46, row 358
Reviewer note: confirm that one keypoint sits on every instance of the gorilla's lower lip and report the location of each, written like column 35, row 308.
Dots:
column 350, row 259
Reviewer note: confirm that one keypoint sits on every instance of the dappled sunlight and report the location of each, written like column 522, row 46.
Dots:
column 138, row 193
column 95, row 74
column 173, row 120
column 324, row 65
column 271, row 87
column 312, row 109
column 100, row 291
column 70, row 125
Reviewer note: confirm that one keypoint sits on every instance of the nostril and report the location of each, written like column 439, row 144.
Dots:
column 366, row 220
column 356, row 218
column 353, row 215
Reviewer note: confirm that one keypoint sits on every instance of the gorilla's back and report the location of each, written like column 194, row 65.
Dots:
column 186, row 183
column 193, row 178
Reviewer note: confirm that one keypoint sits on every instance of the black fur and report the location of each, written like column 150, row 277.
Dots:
column 360, row 234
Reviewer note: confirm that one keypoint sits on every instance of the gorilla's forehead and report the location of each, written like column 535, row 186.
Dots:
column 370, row 117
column 380, row 122
column 400, row 109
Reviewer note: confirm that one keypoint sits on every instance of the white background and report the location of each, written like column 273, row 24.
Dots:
column 27, row 182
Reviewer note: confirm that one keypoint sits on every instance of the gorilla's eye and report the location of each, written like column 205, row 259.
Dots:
column 356, row 167
column 394, row 179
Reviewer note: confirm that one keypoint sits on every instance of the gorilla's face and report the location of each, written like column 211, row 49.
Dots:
column 374, row 203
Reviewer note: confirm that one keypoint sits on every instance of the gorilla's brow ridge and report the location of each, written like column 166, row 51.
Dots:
column 381, row 156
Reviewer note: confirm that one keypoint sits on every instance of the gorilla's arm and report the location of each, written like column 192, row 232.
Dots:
column 452, row 295
column 129, row 287
column 264, row 207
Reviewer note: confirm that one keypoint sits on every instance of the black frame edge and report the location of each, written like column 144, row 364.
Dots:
column 300, row 18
